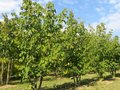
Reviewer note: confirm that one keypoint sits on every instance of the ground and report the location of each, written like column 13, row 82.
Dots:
column 89, row 82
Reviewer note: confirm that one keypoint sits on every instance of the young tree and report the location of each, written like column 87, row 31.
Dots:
column 74, row 62
column 36, row 32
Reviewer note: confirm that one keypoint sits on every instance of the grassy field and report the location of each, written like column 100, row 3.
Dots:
column 89, row 82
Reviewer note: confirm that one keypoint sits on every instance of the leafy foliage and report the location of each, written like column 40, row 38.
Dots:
column 38, row 42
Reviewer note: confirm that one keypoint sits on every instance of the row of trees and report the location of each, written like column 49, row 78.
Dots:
column 39, row 41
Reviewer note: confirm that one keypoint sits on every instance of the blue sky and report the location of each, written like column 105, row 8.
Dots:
column 90, row 11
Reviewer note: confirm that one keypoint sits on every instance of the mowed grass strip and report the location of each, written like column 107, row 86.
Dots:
column 89, row 82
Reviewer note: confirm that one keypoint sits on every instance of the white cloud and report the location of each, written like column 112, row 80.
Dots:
column 70, row 2
column 100, row 10
column 112, row 21
column 7, row 5
column 113, row 1
column 43, row 1
column 115, row 4
column 112, row 17
column 1, row 19
column 108, row 1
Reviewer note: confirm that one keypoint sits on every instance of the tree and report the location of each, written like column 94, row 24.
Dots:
column 35, row 33
column 113, row 56
column 74, row 62
column 5, row 42
column 39, row 41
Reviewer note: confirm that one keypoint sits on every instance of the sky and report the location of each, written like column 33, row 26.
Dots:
column 89, row 11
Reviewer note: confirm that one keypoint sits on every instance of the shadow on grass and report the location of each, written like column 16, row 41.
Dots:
column 109, row 78
column 14, row 82
column 50, row 78
column 72, row 86
column 118, row 75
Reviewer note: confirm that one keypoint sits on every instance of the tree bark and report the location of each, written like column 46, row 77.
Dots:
column 11, row 67
column 33, row 82
column 80, row 76
column 77, row 79
column 2, row 71
column 74, row 79
column 8, row 73
column 41, row 79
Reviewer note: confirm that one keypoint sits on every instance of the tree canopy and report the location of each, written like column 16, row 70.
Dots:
column 40, row 41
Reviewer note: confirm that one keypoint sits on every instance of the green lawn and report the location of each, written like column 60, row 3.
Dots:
column 89, row 82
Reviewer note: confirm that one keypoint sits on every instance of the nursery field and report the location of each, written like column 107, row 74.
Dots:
column 88, row 82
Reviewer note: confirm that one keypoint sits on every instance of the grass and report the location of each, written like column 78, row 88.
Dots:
column 89, row 82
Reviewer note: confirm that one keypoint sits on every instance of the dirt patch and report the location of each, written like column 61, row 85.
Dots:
column 7, row 86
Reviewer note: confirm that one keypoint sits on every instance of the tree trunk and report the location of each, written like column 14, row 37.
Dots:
column 33, row 82
column 113, row 73
column 74, row 79
column 2, row 71
column 11, row 67
column 8, row 73
column 41, row 79
column 80, row 78
column 21, row 80
column 34, row 86
column 77, row 79
column 100, row 75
